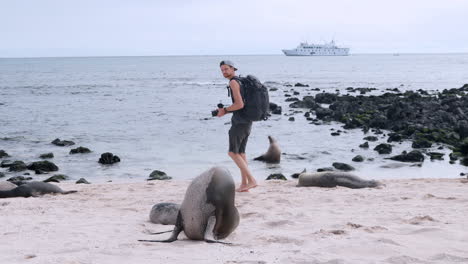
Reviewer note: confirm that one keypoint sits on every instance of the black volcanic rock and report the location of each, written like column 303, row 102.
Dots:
column 394, row 137
column 413, row 156
column 436, row 155
column 81, row 150
column 3, row 154
column 275, row 109
column 307, row 102
column 108, row 158
column 49, row 155
column 371, row 138
column 364, row 145
column 158, row 175
column 383, row 148
column 421, row 143
column 14, row 166
column 358, row 158
column 276, row 176
column 440, row 117
column 62, row 143
column 19, row 180
column 342, row 166
column 82, row 181
column 57, row 178
column 325, row 98
column 44, row 166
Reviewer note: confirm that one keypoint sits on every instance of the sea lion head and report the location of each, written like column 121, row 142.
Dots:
column 271, row 139
column 230, row 222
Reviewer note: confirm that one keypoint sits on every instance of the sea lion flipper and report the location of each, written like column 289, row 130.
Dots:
column 159, row 241
column 157, row 233
column 219, row 221
column 215, row 241
column 353, row 182
column 68, row 192
column 260, row 158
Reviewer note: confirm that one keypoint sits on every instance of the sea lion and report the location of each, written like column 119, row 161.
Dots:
column 164, row 213
column 6, row 186
column 34, row 189
column 211, row 194
column 273, row 155
column 335, row 178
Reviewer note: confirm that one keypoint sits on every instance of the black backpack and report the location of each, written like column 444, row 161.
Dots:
column 256, row 99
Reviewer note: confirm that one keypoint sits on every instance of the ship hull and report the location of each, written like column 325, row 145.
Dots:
column 334, row 52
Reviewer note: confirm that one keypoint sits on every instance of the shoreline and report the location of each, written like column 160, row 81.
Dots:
column 406, row 221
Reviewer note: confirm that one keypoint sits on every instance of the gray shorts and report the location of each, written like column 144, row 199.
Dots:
column 238, row 136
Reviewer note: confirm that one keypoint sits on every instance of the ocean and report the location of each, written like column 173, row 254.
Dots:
column 155, row 112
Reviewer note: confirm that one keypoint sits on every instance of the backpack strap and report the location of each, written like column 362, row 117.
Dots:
column 239, row 81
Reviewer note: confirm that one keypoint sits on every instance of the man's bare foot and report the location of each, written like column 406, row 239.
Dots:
column 243, row 188
column 251, row 185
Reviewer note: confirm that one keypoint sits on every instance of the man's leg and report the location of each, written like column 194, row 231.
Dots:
column 251, row 182
column 244, row 169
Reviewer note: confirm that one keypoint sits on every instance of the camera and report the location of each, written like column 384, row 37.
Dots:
column 215, row 112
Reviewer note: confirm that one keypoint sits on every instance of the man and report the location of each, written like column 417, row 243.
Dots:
column 240, row 127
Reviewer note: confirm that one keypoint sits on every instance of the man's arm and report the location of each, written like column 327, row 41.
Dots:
column 238, row 101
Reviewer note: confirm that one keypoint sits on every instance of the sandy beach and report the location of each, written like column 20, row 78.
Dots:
column 406, row 221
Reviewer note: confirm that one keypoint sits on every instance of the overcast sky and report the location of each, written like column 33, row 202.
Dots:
column 33, row 28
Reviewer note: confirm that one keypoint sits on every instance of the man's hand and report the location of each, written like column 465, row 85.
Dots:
column 221, row 112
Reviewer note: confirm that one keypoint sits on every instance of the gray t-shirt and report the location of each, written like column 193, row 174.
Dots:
column 237, row 117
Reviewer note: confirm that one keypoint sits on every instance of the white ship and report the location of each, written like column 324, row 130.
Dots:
column 306, row 49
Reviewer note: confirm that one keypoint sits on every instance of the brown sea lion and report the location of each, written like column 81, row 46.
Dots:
column 211, row 194
column 273, row 155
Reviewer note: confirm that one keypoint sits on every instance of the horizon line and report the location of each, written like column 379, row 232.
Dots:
column 215, row 55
